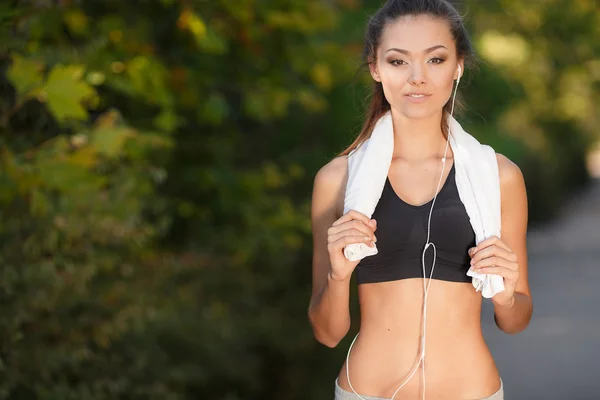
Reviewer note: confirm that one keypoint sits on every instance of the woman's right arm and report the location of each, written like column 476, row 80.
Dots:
column 329, row 309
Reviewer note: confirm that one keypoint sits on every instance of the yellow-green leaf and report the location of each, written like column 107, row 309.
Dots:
column 321, row 76
column 85, row 157
column 77, row 21
column 68, row 178
column 25, row 75
column 65, row 91
column 110, row 141
column 167, row 120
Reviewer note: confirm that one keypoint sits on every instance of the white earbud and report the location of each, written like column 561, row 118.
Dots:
column 455, row 90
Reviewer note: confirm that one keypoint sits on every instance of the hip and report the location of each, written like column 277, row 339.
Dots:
column 455, row 366
column 341, row 394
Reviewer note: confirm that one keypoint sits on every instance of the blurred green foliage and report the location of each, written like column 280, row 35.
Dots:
column 156, row 168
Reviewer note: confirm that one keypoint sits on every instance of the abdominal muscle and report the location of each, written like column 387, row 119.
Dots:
column 458, row 363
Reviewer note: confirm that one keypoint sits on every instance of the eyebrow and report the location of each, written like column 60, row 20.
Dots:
column 429, row 50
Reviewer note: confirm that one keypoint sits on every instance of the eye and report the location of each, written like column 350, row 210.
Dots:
column 397, row 62
column 437, row 60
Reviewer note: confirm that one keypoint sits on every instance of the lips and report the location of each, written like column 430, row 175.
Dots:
column 417, row 94
column 417, row 97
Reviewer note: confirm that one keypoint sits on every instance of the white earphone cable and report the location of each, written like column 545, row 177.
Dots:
column 426, row 285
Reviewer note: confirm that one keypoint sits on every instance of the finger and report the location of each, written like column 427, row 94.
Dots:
column 353, row 214
column 493, row 251
column 494, row 261
column 508, row 274
column 349, row 225
column 492, row 240
column 347, row 240
column 350, row 215
column 352, row 232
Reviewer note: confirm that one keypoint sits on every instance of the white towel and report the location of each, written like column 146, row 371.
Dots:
column 477, row 180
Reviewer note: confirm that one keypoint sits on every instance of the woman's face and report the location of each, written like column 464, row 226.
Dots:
column 417, row 65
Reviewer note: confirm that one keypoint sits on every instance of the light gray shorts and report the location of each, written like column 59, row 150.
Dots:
column 341, row 394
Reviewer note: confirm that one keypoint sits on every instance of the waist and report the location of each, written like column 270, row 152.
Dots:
column 400, row 304
column 391, row 314
column 387, row 350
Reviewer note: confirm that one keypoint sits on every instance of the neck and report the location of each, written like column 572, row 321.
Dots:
column 418, row 139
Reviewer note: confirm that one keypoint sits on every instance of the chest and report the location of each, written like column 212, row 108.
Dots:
column 400, row 223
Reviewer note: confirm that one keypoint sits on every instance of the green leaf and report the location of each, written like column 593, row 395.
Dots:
column 69, row 178
column 77, row 21
column 65, row 91
column 213, row 43
column 109, row 141
column 146, row 142
column 321, row 76
column 147, row 80
column 25, row 75
column 167, row 120
column 215, row 109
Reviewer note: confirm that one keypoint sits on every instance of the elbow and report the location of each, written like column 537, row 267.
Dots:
column 328, row 337
column 327, row 340
column 516, row 328
column 517, row 318
column 511, row 327
column 511, row 330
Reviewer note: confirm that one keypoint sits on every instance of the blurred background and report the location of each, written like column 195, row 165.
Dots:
column 156, row 168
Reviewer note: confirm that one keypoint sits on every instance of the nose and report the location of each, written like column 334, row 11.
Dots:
column 417, row 75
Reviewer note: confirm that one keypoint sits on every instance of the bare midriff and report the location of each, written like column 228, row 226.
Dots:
column 458, row 363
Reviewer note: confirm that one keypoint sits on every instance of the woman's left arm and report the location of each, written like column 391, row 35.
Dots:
column 507, row 256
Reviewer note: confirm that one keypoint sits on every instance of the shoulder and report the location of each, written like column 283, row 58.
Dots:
column 512, row 182
column 334, row 171
column 510, row 173
column 329, row 184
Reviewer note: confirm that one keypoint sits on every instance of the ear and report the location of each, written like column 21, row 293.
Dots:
column 461, row 64
column 373, row 70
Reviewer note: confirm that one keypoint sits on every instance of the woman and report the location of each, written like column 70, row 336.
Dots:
column 416, row 50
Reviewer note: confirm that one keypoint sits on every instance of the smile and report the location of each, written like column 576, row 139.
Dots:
column 417, row 97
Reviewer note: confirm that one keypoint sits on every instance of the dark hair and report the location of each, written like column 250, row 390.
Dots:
column 388, row 13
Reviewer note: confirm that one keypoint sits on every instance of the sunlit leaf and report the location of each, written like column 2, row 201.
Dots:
column 110, row 141
column 167, row 120
column 68, row 178
column 25, row 75
column 65, row 91
column 321, row 75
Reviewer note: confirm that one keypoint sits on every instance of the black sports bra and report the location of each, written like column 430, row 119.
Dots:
column 402, row 232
